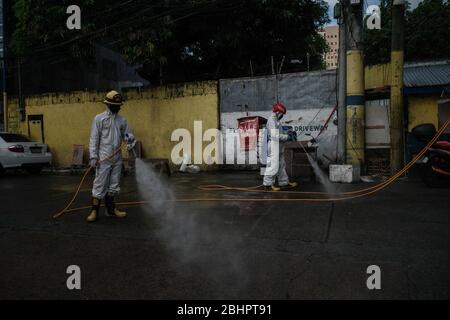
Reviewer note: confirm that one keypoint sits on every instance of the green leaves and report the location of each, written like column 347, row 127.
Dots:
column 181, row 39
column 426, row 33
column 428, row 28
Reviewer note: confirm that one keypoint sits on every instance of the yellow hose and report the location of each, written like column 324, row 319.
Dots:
column 218, row 187
column 60, row 213
column 347, row 195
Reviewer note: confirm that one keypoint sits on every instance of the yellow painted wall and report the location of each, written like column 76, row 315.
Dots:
column 377, row 76
column 422, row 110
column 152, row 114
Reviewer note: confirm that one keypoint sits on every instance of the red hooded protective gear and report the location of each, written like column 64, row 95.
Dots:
column 279, row 107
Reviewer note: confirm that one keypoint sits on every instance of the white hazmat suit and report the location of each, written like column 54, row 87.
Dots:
column 107, row 133
column 276, row 165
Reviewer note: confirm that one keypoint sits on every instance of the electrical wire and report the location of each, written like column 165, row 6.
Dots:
column 188, row 10
column 174, row 10
column 318, row 112
column 109, row 9
column 122, row 23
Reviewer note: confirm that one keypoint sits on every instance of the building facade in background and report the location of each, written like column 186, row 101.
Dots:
column 331, row 35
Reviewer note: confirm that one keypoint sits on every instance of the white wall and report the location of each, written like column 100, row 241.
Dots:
column 306, row 122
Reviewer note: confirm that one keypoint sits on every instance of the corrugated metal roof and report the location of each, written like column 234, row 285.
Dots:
column 427, row 74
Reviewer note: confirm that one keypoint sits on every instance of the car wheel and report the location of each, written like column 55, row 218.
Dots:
column 34, row 170
column 2, row 171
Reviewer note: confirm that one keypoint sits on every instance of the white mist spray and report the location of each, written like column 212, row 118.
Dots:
column 151, row 187
column 176, row 231
column 186, row 235
column 322, row 176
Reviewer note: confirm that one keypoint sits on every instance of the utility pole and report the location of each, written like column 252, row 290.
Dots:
column 355, row 143
column 20, row 92
column 160, row 74
column 3, row 62
column 271, row 62
column 281, row 65
column 307, row 60
column 341, row 110
column 396, row 105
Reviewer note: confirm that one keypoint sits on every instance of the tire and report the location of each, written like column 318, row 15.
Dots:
column 2, row 171
column 34, row 170
column 431, row 178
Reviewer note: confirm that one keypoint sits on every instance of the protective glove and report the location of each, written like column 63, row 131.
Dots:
column 129, row 137
column 93, row 162
column 284, row 137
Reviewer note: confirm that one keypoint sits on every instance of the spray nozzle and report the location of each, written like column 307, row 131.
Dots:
column 131, row 143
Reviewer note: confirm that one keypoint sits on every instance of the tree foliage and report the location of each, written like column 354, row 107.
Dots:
column 377, row 43
column 426, row 33
column 40, row 25
column 180, row 39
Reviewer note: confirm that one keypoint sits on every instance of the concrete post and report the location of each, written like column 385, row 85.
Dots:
column 355, row 143
column 341, row 111
column 396, row 103
column 3, row 67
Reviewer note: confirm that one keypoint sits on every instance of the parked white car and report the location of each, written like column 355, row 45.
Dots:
column 17, row 151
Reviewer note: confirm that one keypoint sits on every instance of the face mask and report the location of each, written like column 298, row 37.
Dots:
column 114, row 109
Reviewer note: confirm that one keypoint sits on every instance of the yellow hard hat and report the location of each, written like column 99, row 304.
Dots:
column 114, row 98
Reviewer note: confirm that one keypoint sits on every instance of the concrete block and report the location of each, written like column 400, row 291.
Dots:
column 346, row 173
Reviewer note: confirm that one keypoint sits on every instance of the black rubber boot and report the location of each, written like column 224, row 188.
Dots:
column 111, row 210
column 271, row 188
column 95, row 208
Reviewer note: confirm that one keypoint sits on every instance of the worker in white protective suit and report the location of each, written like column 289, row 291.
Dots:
column 108, row 131
column 276, row 137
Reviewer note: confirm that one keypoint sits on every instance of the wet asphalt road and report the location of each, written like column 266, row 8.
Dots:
column 224, row 250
